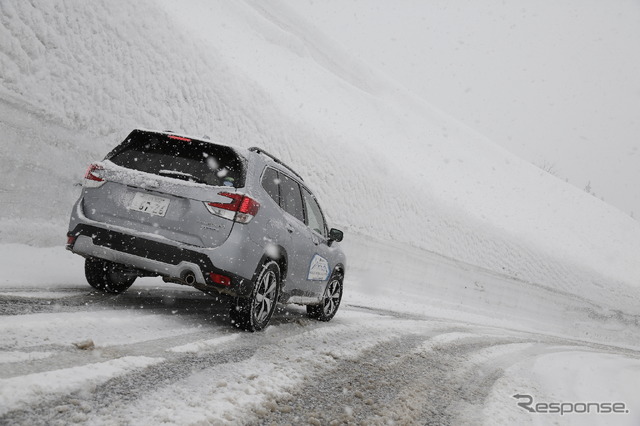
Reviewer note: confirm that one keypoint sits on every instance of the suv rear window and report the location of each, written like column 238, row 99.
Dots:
column 180, row 158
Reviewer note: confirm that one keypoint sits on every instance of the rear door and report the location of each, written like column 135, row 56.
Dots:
column 299, row 245
column 308, row 265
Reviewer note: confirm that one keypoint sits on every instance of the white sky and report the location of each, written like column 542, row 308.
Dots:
column 553, row 82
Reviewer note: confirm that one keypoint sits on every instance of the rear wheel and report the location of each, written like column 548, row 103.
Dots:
column 330, row 300
column 106, row 276
column 254, row 312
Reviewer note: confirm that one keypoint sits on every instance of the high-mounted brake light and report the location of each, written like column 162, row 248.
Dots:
column 179, row 138
column 92, row 178
column 241, row 208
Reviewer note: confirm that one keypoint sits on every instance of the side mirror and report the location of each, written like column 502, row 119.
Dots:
column 335, row 235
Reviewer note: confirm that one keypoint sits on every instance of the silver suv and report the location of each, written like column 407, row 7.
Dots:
column 224, row 220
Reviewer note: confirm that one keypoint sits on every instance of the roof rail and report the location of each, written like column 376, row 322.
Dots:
column 274, row 158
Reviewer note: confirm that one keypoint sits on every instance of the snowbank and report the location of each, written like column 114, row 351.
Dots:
column 77, row 77
column 583, row 386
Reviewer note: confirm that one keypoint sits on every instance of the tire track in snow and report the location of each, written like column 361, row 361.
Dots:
column 162, row 300
column 346, row 393
column 120, row 391
column 401, row 382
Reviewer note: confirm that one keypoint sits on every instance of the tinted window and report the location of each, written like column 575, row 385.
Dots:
column 291, row 199
column 315, row 220
column 180, row 158
column 270, row 183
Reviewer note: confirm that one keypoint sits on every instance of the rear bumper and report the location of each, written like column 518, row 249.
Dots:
column 164, row 259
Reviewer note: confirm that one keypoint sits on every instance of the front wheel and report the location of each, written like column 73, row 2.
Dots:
column 254, row 312
column 106, row 276
column 330, row 300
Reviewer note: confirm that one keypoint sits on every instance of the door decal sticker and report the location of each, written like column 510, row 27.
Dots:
column 319, row 269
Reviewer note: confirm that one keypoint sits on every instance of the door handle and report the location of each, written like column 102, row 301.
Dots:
column 289, row 228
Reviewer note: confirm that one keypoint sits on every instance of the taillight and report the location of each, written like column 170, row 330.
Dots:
column 241, row 208
column 93, row 179
column 71, row 240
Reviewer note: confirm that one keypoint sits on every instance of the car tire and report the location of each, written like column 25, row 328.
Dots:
column 253, row 313
column 330, row 300
column 106, row 276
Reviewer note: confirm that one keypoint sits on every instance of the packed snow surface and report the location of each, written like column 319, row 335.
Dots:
column 460, row 254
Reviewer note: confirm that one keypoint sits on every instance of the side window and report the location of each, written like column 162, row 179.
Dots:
column 315, row 220
column 291, row 199
column 270, row 183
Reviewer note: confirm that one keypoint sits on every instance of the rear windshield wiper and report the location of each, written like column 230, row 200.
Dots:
column 181, row 175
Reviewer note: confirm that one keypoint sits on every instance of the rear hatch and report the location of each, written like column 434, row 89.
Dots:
column 160, row 184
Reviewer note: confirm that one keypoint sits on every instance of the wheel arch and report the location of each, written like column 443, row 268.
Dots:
column 277, row 254
column 339, row 268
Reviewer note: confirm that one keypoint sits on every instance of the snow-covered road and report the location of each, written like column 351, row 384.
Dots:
column 165, row 353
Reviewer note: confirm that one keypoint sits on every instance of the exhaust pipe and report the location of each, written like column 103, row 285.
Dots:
column 189, row 278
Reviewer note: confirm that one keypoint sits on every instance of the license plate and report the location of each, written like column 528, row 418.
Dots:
column 151, row 204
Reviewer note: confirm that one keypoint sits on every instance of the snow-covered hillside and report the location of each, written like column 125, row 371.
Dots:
column 383, row 162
